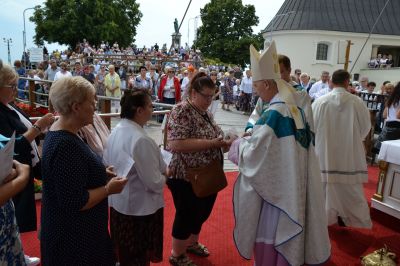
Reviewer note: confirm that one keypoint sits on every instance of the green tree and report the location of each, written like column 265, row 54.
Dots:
column 71, row 21
column 226, row 32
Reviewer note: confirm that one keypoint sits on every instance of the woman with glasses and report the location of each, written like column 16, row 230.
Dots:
column 63, row 72
column 12, row 119
column 194, row 140
column 170, row 88
column 76, row 184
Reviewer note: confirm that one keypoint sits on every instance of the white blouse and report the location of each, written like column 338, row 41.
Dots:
column 392, row 111
column 143, row 194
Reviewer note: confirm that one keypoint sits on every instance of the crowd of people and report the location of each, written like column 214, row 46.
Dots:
column 285, row 197
column 85, row 51
column 381, row 61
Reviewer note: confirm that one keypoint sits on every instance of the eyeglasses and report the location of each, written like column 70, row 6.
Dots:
column 206, row 96
column 213, row 74
column 169, row 72
column 14, row 86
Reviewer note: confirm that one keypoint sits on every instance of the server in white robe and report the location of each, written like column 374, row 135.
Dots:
column 342, row 121
column 278, row 199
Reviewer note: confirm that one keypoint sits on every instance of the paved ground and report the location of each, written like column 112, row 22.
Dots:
column 232, row 120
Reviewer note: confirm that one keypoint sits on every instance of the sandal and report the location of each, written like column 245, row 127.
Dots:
column 198, row 249
column 182, row 260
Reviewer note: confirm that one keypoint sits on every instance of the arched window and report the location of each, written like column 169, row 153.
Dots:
column 322, row 51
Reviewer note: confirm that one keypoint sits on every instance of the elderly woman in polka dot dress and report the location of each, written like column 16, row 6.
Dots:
column 75, row 184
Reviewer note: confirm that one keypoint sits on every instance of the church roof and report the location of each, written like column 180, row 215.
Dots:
column 356, row 16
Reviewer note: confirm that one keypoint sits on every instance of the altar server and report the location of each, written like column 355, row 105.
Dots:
column 342, row 122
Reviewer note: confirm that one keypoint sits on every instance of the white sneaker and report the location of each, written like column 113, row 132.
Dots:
column 31, row 261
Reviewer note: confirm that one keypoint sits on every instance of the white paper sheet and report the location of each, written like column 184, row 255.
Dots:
column 6, row 158
column 167, row 156
column 122, row 163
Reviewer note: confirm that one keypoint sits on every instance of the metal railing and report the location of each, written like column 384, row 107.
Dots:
column 105, row 114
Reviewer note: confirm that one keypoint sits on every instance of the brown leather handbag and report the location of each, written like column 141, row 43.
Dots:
column 206, row 180
column 209, row 179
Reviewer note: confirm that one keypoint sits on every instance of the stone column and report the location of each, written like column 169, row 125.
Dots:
column 176, row 40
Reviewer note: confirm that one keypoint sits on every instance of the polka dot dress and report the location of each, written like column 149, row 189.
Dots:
column 70, row 236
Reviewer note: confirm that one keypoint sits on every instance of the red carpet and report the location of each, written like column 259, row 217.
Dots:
column 347, row 244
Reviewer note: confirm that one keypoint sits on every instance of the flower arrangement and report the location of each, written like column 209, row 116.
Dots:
column 37, row 184
column 32, row 111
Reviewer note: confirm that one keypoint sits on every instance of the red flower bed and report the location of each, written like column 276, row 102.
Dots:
column 32, row 111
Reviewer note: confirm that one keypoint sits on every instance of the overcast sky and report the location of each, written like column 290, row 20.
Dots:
column 156, row 24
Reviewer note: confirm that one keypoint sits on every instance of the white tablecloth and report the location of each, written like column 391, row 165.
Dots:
column 390, row 152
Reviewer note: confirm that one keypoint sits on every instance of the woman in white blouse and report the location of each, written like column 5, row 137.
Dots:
column 136, row 217
column 391, row 114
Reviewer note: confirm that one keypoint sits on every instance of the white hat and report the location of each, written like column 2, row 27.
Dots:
column 265, row 66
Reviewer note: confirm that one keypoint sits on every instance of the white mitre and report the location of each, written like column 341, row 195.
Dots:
column 265, row 66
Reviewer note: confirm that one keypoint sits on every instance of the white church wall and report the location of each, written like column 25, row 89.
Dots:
column 301, row 48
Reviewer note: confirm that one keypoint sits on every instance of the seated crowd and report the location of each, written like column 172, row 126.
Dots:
column 381, row 61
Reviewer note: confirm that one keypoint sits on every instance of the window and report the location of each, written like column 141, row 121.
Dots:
column 322, row 51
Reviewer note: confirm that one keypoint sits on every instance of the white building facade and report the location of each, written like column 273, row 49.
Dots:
column 318, row 44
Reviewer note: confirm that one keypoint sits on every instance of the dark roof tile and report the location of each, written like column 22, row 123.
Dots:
column 338, row 15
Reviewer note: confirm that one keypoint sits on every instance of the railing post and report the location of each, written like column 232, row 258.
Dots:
column 106, row 109
column 32, row 95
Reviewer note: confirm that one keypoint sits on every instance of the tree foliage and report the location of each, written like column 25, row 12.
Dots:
column 71, row 21
column 226, row 32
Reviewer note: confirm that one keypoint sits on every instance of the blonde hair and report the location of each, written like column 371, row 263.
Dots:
column 67, row 91
column 389, row 85
column 7, row 74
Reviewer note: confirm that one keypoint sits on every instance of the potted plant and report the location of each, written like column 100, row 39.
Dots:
column 38, row 188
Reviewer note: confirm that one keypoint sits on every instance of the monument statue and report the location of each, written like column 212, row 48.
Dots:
column 176, row 36
column 176, row 25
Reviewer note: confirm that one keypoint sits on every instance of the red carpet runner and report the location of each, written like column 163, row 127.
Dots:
column 347, row 244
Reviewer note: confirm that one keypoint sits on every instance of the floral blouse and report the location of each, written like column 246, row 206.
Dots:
column 10, row 244
column 186, row 122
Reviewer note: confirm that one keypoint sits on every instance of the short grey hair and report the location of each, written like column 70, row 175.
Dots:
column 67, row 91
column 304, row 75
column 7, row 74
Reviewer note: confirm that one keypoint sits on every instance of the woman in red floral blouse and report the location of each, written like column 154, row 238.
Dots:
column 195, row 138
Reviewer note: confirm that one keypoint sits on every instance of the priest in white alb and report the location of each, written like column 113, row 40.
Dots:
column 278, row 198
column 342, row 121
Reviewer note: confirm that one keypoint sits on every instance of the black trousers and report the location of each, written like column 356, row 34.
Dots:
column 160, row 118
column 191, row 211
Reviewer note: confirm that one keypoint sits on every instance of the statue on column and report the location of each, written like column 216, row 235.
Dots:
column 176, row 26
column 176, row 36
